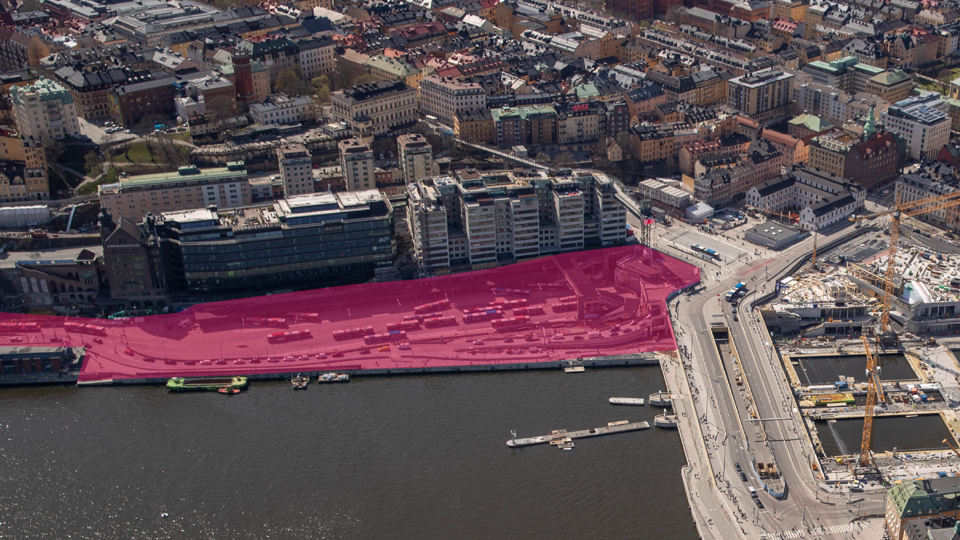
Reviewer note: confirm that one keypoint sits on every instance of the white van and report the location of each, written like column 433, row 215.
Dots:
column 753, row 492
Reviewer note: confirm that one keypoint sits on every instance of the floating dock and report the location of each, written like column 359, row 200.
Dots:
column 627, row 401
column 622, row 426
column 665, row 421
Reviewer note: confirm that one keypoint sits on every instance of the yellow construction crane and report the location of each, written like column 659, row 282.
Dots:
column 874, row 395
column 952, row 447
column 900, row 211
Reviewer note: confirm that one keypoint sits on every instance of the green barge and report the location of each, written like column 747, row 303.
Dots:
column 190, row 384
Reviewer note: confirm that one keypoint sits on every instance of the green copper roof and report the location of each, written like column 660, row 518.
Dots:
column 890, row 78
column 48, row 91
column 812, row 122
column 870, row 127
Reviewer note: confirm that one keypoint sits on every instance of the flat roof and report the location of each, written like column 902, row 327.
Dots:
column 152, row 180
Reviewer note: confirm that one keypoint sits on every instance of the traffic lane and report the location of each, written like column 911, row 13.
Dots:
column 932, row 242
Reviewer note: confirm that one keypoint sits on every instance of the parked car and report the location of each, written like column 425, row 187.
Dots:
column 16, row 340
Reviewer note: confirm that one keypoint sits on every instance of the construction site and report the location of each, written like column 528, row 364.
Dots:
column 865, row 335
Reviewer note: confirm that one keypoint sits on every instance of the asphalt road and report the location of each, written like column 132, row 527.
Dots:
column 807, row 504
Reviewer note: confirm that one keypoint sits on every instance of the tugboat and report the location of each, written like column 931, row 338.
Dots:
column 661, row 399
column 667, row 421
column 300, row 382
column 229, row 390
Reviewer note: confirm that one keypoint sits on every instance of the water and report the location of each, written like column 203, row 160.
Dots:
column 815, row 370
column 402, row 457
column 922, row 432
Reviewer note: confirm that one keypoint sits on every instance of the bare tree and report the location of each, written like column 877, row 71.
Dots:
column 36, row 50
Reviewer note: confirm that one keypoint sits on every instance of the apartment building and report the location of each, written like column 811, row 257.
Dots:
column 317, row 56
column 835, row 106
column 275, row 54
column 922, row 121
column 131, row 103
column 534, row 125
column 376, row 108
column 416, row 157
column 446, row 97
column 296, row 173
column 44, row 111
column 930, row 180
column 870, row 161
column 187, row 188
column 475, row 126
column 704, row 88
column 356, row 164
column 580, row 122
column 386, row 68
column 480, row 220
column 762, row 95
column 283, row 109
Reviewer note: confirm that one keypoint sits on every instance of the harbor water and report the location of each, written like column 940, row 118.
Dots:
column 828, row 369
column 418, row 456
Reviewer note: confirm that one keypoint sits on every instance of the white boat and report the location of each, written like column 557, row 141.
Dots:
column 626, row 401
column 334, row 377
column 661, row 399
column 665, row 421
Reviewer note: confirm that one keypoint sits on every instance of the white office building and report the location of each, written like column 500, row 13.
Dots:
column 282, row 109
column 922, row 121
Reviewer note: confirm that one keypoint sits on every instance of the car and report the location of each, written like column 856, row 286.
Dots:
column 239, row 361
column 221, row 361
column 206, row 362
column 404, row 346
column 170, row 362
column 87, row 345
column 478, row 342
column 191, row 362
column 149, row 359
column 759, row 503
column 321, row 356
column 743, row 477
column 364, row 351
column 56, row 339
column 737, row 467
column 273, row 360
column 508, row 340
column 254, row 360
column 98, row 341
column 127, row 131
column 578, row 338
column 558, row 336
column 16, row 340
column 884, row 192
column 128, row 352
column 304, row 358
column 627, row 330
column 336, row 354
column 288, row 359
column 385, row 348
column 735, row 318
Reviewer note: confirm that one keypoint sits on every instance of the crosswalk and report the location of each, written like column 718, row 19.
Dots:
column 814, row 532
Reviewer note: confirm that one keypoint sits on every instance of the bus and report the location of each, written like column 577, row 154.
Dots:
column 529, row 310
column 510, row 322
column 738, row 291
column 487, row 315
column 474, row 311
column 84, row 328
column 353, row 333
column 558, row 286
column 510, row 304
column 416, row 318
column 503, row 291
column 427, row 308
column 567, row 299
column 396, row 335
column 566, row 306
column 255, row 321
column 705, row 251
column 278, row 322
column 293, row 335
column 406, row 325
column 16, row 328
column 311, row 317
column 434, row 322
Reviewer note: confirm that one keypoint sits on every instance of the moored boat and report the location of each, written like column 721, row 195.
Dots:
column 300, row 382
column 229, row 390
column 661, row 399
column 665, row 421
column 334, row 377
column 190, row 384
column 626, row 401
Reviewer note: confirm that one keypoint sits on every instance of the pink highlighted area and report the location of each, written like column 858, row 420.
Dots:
column 585, row 304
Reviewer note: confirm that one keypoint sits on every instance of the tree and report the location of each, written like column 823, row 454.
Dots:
column 364, row 79
column 673, row 14
column 564, row 160
column 221, row 107
column 36, row 50
column 625, row 140
column 94, row 164
column 321, row 86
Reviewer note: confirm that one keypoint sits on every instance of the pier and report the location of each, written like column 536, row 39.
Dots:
column 613, row 427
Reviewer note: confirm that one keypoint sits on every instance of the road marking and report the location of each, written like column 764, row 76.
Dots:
column 814, row 532
column 756, row 267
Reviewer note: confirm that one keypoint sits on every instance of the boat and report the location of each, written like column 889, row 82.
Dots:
column 665, row 420
column 300, row 382
column 190, row 384
column 229, row 390
column 334, row 377
column 661, row 399
column 626, row 401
